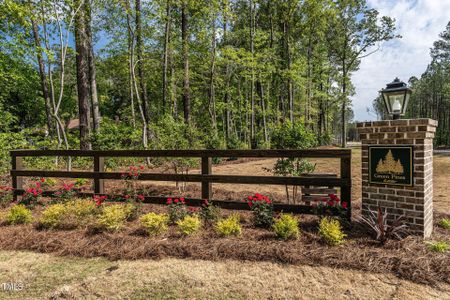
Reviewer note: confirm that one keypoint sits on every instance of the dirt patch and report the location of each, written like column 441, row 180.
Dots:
column 408, row 259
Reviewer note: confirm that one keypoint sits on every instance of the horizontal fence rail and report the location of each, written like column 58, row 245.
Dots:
column 205, row 177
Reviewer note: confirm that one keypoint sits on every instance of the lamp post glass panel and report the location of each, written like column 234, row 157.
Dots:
column 396, row 97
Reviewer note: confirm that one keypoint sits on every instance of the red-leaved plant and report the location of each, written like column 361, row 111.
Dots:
column 262, row 208
column 66, row 192
column 99, row 200
column 32, row 195
column 177, row 209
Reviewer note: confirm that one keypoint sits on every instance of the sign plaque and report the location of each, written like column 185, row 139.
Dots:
column 391, row 165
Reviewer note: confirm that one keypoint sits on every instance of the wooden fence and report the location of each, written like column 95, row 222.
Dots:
column 206, row 177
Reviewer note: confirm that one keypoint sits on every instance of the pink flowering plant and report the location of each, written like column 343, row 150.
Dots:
column 66, row 192
column 177, row 209
column 262, row 208
column 32, row 195
column 331, row 206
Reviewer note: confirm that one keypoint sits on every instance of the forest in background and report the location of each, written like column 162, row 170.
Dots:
column 431, row 92
column 176, row 74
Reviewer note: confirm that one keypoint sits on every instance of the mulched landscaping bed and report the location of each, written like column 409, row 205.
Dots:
column 408, row 259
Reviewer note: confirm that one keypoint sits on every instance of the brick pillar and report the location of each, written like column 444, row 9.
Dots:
column 414, row 202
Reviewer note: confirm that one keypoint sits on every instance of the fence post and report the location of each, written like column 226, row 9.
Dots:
column 346, row 191
column 206, row 170
column 99, row 166
column 17, row 181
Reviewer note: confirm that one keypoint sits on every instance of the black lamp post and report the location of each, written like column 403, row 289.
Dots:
column 396, row 97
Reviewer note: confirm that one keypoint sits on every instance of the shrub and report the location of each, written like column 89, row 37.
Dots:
column 331, row 232
column 54, row 216
column 262, row 209
column 155, row 223
column 286, row 227
column 6, row 195
column 379, row 224
column 177, row 209
column 189, row 225
column 331, row 206
column 32, row 195
column 209, row 212
column 440, row 247
column 66, row 192
column 18, row 214
column 229, row 226
column 81, row 210
column 113, row 217
column 444, row 223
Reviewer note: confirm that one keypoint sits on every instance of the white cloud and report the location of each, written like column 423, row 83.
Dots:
column 419, row 22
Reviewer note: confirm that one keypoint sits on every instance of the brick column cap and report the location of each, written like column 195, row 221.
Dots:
column 400, row 123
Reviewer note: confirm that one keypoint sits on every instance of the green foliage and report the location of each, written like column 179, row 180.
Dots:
column 440, row 247
column 18, row 214
column 286, row 227
column 113, row 217
column 209, row 212
column 229, row 226
column 262, row 209
column 189, row 225
column 444, row 223
column 81, row 209
column 293, row 136
column 331, row 232
column 177, row 209
column 155, row 223
column 68, row 215
column 54, row 216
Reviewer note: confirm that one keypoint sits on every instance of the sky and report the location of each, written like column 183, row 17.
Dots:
column 419, row 22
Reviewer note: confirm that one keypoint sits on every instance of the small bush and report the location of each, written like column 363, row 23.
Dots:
column 177, row 209
column 444, row 223
column 155, row 223
column 331, row 232
column 81, row 210
column 113, row 217
column 262, row 208
column 209, row 212
column 54, row 216
column 229, row 226
column 440, row 247
column 286, row 227
column 18, row 214
column 189, row 225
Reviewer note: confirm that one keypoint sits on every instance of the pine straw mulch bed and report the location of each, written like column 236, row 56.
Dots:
column 407, row 259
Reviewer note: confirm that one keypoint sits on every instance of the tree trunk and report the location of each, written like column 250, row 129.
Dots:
column 212, row 91
column 140, row 62
column 81, row 45
column 252, row 84
column 92, row 71
column 344, row 107
column 185, row 38
column 130, row 62
column 43, row 77
column 166, row 55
